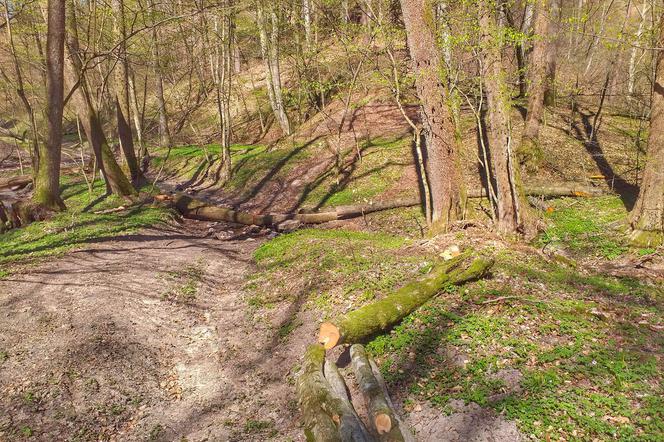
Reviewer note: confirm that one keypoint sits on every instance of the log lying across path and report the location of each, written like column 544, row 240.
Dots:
column 365, row 322
column 197, row 209
column 15, row 182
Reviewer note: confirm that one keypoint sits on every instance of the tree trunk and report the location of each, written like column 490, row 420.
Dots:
column 647, row 216
column 224, row 69
column 512, row 208
column 442, row 163
column 47, row 179
column 122, row 92
column 381, row 315
column 270, row 54
column 530, row 152
column 116, row 180
column 552, row 52
column 164, row 132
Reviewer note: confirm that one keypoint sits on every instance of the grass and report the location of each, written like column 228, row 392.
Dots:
column 587, row 227
column 378, row 167
column 71, row 229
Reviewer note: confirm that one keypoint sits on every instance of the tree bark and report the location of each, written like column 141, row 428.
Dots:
column 381, row 315
column 270, row 54
column 223, row 71
column 116, row 180
column 164, row 132
column 647, row 216
column 529, row 151
column 442, row 163
column 122, row 92
column 382, row 416
column 47, row 179
column 512, row 212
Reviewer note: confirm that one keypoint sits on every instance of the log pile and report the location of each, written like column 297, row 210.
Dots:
column 327, row 410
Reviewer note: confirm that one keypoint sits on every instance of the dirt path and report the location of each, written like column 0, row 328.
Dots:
column 144, row 337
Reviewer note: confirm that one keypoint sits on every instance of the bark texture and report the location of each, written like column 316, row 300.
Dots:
column 383, row 314
column 647, row 216
column 116, row 181
column 529, row 152
column 512, row 210
column 441, row 156
column 122, row 92
column 47, row 179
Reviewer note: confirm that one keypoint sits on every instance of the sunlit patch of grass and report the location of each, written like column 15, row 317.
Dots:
column 73, row 228
column 587, row 226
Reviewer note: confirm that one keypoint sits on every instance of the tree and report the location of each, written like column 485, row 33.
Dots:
column 541, row 70
column 442, row 163
column 122, row 91
column 164, row 132
column 47, row 179
column 513, row 215
column 647, row 216
column 75, row 71
column 270, row 54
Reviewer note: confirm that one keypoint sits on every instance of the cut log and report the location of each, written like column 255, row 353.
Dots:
column 319, row 407
column 405, row 432
column 379, row 316
column 381, row 415
column 351, row 427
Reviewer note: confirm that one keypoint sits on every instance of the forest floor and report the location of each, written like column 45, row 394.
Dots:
column 137, row 325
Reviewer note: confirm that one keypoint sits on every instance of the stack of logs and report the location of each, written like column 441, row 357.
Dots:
column 324, row 400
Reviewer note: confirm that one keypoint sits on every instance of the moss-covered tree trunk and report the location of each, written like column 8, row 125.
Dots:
column 647, row 216
column 379, row 316
column 47, row 179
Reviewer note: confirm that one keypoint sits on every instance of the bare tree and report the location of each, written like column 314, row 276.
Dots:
column 122, row 91
column 529, row 151
column 647, row 216
column 270, row 54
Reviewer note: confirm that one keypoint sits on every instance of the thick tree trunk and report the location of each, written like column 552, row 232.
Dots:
column 47, row 179
column 647, row 216
column 441, row 162
column 381, row 315
column 512, row 208
column 122, row 92
column 116, row 180
column 529, row 151
column 552, row 52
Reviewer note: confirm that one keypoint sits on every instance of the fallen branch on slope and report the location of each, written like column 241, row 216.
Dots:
column 358, row 325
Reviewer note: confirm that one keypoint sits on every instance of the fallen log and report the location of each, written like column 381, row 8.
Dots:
column 327, row 415
column 359, row 325
column 382, row 416
column 351, row 427
column 405, row 432
column 15, row 182
column 197, row 209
